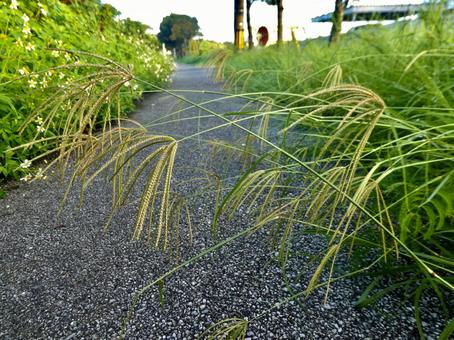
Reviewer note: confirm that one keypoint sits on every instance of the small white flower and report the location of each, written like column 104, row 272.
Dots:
column 32, row 83
column 55, row 54
column 43, row 12
column 39, row 120
column 49, row 73
column 40, row 129
column 39, row 174
column 77, row 62
column 25, row 18
column 67, row 56
column 127, row 84
column 30, row 47
column 26, row 30
column 26, row 178
column 43, row 83
column 135, row 87
column 23, row 71
column 25, row 164
column 13, row 4
column 19, row 42
column 61, row 75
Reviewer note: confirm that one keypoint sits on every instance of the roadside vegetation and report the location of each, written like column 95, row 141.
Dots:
column 39, row 48
column 200, row 52
column 364, row 154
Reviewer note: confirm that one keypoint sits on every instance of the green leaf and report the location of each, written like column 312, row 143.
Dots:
column 161, row 292
column 447, row 331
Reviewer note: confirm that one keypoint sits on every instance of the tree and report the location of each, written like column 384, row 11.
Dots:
column 338, row 16
column 280, row 11
column 176, row 31
column 133, row 27
column 106, row 16
column 248, row 19
column 239, row 23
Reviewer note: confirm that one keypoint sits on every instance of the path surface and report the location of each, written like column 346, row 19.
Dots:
column 67, row 279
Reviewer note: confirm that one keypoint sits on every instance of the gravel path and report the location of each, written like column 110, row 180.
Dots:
column 66, row 279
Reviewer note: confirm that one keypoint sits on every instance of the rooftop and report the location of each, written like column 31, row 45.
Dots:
column 381, row 12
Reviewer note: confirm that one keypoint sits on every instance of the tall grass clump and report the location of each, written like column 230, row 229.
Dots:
column 39, row 44
column 362, row 153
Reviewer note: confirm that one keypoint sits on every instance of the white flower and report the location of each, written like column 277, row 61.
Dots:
column 26, row 30
column 14, row 4
column 40, row 129
column 43, row 12
column 49, row 73
column 135, row 87
column 23, row 71
column 43, row 83
column 39, row 120
column 61, row 75
column 127, row 84
column 25, row 18
column 19, row 42
column 39, row 174
column 77, row 62
column 67, row 56
column 26, row 178
column 30, row 47
column 32, row 83
column 55, row 54
column 25, row 164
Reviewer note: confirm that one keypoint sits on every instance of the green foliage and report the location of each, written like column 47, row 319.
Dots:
column 39, row 41
column 203, row 47
column 202, row 51
column 367, row 126
column 176, row 31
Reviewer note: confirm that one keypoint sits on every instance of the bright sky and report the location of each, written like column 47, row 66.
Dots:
column 215, row 17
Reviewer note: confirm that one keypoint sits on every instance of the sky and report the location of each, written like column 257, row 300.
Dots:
column 215, row 17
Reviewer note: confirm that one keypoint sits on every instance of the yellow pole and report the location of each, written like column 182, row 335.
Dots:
column 239, row 24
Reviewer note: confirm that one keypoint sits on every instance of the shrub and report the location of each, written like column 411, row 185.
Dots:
column 39, row 44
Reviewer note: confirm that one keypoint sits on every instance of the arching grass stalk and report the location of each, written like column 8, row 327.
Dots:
column 421, row 263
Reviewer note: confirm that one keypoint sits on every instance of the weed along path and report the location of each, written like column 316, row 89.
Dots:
column 64, row 277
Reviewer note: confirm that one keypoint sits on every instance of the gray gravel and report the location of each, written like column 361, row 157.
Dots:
column 64, row 278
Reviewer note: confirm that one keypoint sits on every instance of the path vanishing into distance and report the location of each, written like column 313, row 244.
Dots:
column 64, row 278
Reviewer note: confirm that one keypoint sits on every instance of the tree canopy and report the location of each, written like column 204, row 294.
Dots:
column 176, row 30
